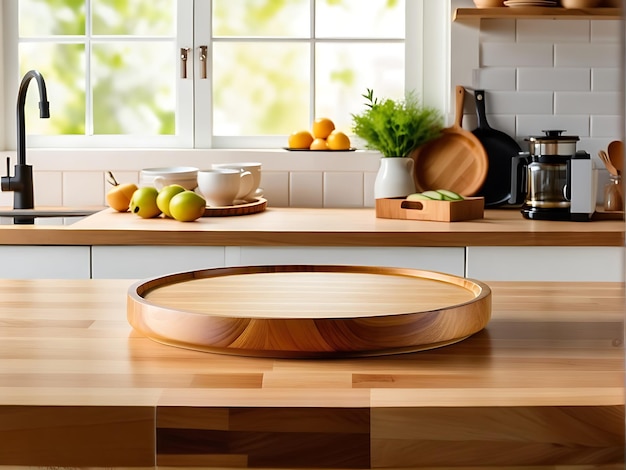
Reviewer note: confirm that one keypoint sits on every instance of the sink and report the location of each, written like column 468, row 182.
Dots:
column 58, row 216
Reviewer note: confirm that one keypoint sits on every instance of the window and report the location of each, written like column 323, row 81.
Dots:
column 109, row 68
column 256, row 70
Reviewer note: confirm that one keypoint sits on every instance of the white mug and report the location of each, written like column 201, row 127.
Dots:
column 252, row 167
column 221, row 186
column 186, row 176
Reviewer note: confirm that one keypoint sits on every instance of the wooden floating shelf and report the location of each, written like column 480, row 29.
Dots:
column 547, row 13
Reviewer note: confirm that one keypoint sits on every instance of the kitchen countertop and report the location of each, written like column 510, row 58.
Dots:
column 318, row 227
column 541, row 386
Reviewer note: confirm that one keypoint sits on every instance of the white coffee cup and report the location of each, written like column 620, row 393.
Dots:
column 186, row 176
column 221, row 186
column 252, row 167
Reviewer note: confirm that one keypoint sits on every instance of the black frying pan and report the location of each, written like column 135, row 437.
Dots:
column 500, row 148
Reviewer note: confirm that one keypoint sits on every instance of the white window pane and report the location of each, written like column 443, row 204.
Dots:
column 134, row 88
column 134, row 17
column 359, row 19
column 63, row 69
column 286, row 18
column 260, row 88
column 45, row 18
column 345, row 71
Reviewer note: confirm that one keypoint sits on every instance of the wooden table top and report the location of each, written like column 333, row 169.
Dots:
column 542, row 386
column 319, row 227
column 68, row 342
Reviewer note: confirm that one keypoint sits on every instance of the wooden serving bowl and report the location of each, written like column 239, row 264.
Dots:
column 297, row 311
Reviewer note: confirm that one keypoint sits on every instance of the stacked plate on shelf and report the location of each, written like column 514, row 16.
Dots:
column 531, row 3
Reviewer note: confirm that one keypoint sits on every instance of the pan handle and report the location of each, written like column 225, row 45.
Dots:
column 460, row 100
column 479, row 98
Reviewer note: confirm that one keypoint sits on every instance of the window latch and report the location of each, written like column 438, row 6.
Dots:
column 203, row 61
column 184, row 55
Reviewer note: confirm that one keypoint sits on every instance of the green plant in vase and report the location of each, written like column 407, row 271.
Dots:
column 395, row 128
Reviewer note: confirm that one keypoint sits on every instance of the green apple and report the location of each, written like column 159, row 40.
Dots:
column 143, row 203
column 187, row 206
column 165, row 195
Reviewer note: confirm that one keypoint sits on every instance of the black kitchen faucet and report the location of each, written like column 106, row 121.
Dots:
column 21, row 183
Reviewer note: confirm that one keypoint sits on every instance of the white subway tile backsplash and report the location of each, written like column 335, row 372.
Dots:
column 343, row 189
column 306, row 189
column 497, row 30
column 565, row 31
column 520, row 102
column 607, row 79
column 589, row 55
column 275, row 186
column 368, row 189
column 516, row 55
column 607, row 126
column 587, row 103
column 553, row 79
column 494, row 78
column 47, row 186
column 6, row 199
column 83, row 188
column 606, row 31
column 464, row 51
column 534, row 125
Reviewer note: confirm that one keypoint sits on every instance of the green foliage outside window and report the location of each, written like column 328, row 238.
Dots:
column 260, row 85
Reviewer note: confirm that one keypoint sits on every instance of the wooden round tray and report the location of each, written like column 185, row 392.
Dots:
column 245, row 208
column 309, row 311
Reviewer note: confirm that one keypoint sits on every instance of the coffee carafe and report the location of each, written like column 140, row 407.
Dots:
column 553, row 179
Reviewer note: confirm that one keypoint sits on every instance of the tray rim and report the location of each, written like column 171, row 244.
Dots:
column 253, row 207
column 141, row 313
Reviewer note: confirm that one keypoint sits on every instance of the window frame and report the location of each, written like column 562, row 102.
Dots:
column 427, row 36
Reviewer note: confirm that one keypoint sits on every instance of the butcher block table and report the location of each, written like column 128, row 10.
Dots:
column 278, row 226
column 541, row 387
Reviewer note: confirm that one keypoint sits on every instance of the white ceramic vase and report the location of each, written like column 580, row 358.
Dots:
column 394, row 178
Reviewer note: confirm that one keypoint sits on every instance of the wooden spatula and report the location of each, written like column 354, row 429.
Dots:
column 616, row 155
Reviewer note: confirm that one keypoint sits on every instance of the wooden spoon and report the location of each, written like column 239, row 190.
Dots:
column 607, row 162
column 616, row 155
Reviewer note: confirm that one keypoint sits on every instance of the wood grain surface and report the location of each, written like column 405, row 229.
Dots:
column 442, row 211
column 318, row 227
column 541, row 387
column 455, row 161
column 602, row 13
column 253, row 207
column 309, row 310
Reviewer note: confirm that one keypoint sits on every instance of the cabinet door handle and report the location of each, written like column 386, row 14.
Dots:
column 184, row 55
column 203, row 61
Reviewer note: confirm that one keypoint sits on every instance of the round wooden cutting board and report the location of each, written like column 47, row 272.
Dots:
column 456, row 161
column 309, row 311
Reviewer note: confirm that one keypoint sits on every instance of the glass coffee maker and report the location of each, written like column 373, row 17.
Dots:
column 545, row 177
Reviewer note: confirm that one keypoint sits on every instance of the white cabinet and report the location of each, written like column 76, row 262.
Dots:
column 44, row 262
column 448, row 259
column 546, row 263
column 502, row 263
column 132, row 262
column 138, row 262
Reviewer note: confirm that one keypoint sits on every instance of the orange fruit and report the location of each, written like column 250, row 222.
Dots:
column 300, row 140
column 337, row 140
column 322, row 127
column 319, row 144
